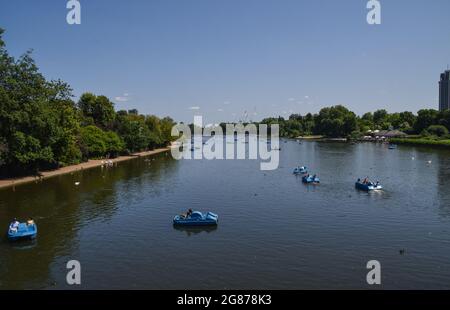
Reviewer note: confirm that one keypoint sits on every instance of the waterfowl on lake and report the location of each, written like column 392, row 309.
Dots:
column 308, row 179
column 367, row 185
column 21, row 231
column 392, row 146
column 196, row 218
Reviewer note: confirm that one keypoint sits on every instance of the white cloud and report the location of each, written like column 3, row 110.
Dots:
column 226, row 103
column 220, row 110
column 124, row 98
column 306, row 97
column 291, row 99
column 121, row 99
column 194, row 108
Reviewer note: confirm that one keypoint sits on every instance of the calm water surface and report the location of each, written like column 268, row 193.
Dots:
column 274, row 232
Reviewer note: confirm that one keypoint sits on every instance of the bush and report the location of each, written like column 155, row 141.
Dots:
column 93, row 142
column 98, row 143
column 422, row 141
column 114, row 144
column 437, row 130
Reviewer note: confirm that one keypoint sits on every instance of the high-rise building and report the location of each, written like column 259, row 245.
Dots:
column 444, row 91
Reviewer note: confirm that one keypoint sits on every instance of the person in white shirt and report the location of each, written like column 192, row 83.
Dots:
column 14, row 225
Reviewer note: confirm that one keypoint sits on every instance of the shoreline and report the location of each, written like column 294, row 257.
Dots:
column 92, row 163
column 438, row 144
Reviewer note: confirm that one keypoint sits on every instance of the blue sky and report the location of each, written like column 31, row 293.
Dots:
column 266, row 57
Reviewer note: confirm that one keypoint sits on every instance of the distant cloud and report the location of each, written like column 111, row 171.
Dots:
column 194, row 108
column 306, row 97
column 121, row 99
column 124, row 98
column 291, row 99
column 220, row 110
column 226, row 103
column 299, row 102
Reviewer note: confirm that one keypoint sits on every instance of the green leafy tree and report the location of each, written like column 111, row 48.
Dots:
column 437, row 130
column 38, row 121
column 407, row 117
column 166, row 125
column 98, row 110
column 93, row 142
column 133, row 131
column 425, row 118
column 114, row 144
column 336, row 121
column 380, row 117
column 444, row 119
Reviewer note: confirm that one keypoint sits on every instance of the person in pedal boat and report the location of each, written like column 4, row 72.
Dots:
column 14, row 225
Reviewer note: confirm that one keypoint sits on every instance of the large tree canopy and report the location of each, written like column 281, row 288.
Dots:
column 38, row 121
column 41, row 127
column 335, row 121
column 97, row 110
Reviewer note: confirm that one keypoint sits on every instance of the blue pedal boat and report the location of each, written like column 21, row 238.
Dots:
column 197, row 218
column 23, row 232
column 300, row 170
column 369, row 186
column 392, row 146
column 308, row 179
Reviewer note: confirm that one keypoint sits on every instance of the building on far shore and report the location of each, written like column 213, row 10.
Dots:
column 444, row 91
column 382, row 135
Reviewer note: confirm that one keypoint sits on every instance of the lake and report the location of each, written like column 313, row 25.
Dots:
column 274, row 232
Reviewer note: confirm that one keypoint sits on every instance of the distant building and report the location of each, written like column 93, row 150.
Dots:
column 444, row 91
column 385, row 134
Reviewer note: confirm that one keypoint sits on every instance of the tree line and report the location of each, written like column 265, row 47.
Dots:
column 42, row 127
column 338, row 121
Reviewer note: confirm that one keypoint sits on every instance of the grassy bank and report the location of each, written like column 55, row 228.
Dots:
column 442, row 143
